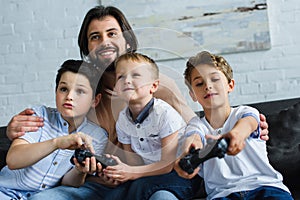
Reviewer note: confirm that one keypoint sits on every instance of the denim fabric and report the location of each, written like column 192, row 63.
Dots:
column 143, row 188
column 163, row 195
column 140, row 189
column 89, row 190
column 263, row 193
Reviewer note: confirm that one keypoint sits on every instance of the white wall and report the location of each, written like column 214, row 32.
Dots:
column 37, row 36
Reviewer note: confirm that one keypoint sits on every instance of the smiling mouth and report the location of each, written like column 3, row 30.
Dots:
column 127, row 89
column 209, row 95
column 106, row 52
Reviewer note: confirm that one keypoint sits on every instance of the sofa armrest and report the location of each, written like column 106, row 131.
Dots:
column 4, row 146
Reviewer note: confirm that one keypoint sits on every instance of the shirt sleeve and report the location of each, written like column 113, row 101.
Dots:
column 195, row 126
column 246, row 111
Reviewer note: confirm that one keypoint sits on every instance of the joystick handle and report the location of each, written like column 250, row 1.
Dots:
column 216, row 148
column 82, row 154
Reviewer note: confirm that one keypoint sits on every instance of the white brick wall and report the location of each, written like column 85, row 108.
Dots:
column 37, row 36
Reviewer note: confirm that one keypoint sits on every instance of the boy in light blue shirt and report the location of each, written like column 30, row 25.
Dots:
column 41, row 160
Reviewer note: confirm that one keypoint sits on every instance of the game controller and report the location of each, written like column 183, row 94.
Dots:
column 213, row 148
column 82, row 154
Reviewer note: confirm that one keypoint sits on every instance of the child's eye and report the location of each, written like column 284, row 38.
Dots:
column 120, row 77
column 199, row 84
column 79, row 91
column 136, row 75
column 215, row 79
column 63, row 89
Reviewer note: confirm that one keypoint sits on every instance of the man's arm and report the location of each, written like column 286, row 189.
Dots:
column 23, row 122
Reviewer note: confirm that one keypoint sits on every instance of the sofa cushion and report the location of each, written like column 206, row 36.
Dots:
column 284, row 143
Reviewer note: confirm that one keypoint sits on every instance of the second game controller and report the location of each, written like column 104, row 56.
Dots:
column 214, row 148
column 82, row 154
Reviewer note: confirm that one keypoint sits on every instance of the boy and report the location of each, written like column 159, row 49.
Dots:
column 39, row 160
column 248, row 174
column 148, row 126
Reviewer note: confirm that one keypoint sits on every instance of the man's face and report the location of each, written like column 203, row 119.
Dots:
column 105, row 41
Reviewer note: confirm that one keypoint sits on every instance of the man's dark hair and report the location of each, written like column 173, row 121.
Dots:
column 80, row 67
column 99, row 12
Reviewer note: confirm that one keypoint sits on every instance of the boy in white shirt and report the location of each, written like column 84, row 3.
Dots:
column 247, row 174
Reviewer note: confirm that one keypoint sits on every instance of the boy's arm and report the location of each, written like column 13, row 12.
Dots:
column 239, row 133
column 23, row 122
column 123, row 172
column 23, row 154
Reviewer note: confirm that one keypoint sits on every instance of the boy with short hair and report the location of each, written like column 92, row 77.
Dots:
column 148, row 127
column 247, row 174
column 41, row 160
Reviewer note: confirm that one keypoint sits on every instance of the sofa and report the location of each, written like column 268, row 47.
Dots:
column 283, row 117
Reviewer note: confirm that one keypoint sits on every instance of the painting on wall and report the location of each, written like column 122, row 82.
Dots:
column 170, row 29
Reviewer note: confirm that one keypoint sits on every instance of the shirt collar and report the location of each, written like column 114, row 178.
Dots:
column 144, row 113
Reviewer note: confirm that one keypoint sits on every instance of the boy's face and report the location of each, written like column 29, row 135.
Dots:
column 74, row 96
column 210, row 86
column 134, row 81
column 105, row 40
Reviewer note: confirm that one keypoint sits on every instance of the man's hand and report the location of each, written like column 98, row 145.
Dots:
column 23, row 122
column 264, row 128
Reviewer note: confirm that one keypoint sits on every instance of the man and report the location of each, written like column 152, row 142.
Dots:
column 104, row 35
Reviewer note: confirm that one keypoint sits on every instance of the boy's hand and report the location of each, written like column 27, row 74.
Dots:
column 23, row 122
column 74, row 141
column 90, row 166
column 236, row 145
column 182, row 173
column 120, row 172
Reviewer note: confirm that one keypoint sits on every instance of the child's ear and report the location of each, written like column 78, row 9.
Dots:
column 192, row 94
column 154, row 86
column 231, row 86
column 96, row 100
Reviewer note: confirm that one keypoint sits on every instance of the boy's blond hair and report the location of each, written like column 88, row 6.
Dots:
column 141, row 58
column 206, row 58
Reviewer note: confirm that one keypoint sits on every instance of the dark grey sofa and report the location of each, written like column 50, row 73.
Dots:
column 283, row 147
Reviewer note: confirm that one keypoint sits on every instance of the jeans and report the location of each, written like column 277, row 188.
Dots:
column 89, row 190
column 139, row 189
column 263, row 193
column 143, row 188
column 163, row 195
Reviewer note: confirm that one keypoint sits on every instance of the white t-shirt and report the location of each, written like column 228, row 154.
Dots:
column 145, row 138
column 247, row 170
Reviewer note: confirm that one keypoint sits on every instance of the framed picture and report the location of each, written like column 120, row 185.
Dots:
column 171, row 29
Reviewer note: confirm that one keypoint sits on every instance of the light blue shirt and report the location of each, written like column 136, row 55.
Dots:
column 247, row 170
column 48, row 172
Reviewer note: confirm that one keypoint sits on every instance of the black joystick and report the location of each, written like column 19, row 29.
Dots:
column 82, row 154
column 214, row 148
